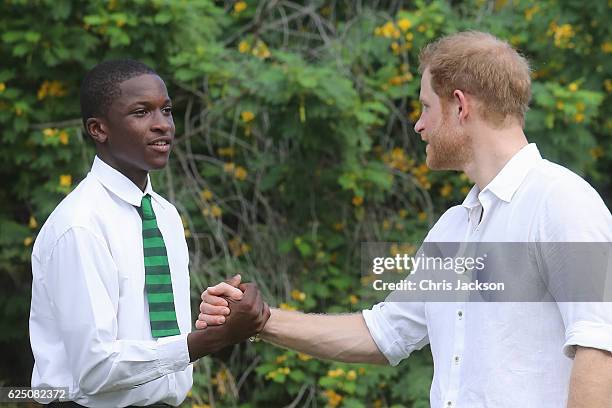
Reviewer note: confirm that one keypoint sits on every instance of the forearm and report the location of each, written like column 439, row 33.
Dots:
column 343, row 338
column 591, row 379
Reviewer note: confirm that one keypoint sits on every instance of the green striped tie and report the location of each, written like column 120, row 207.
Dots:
column 158, row 283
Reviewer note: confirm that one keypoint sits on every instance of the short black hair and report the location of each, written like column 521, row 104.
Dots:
column 100, row 86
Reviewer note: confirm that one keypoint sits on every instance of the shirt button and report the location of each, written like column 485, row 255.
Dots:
column 449, row 403
column 460, row 314
column 456, row 359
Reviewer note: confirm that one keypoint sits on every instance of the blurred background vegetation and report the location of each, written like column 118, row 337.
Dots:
column 295, row 143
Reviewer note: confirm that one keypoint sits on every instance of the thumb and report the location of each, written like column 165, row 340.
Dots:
column 234, row 280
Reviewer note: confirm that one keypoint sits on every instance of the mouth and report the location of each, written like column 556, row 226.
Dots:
column 161, row 145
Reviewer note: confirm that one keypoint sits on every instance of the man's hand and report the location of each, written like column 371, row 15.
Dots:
column 247, row 317
column 213, row 308
column 214, row 302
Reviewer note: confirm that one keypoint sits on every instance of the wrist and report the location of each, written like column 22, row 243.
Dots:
column 267, row 333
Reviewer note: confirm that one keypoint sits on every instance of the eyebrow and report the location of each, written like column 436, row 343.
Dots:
column 148, row 103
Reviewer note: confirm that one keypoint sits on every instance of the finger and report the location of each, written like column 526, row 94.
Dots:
column 224, row 289
column 200, row 324
column 234, row 280
column 213, row 300
column 250, row 292
column 214, row 310
column 211, row 320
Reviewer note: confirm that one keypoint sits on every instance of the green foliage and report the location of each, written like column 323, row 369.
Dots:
column 294, row 145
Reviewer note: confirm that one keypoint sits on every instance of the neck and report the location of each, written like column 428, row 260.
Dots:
column 492, row 149
column 137, row 176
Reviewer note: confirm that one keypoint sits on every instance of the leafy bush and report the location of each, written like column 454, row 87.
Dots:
column 294, row 145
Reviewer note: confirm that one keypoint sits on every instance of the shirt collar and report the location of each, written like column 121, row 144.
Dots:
column 120, row 185
column 508, row 180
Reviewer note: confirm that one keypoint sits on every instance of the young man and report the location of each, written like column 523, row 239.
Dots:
column 475, row 91
column 110, row 317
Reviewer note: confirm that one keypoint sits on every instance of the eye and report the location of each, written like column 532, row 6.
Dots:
column 167, row 110
column 139, row 112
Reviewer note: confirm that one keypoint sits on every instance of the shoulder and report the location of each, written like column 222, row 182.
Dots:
column 76, row 210
column 569, row 207
column 453, row 219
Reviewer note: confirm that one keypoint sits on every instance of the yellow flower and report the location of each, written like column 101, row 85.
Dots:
column 404, row 24
column 422, row 216
column 51, row 88
column 580, row 106
column 351, row 375
column 297, row 295
column 333, row 398
column 560, row 105
column 286, row 306
column 416, row 110
column 339, row 226
column 281, row 359
column 335, row 373
column 579, row 117
column 606, row 47
column 608, row 85
column 215, row 211
column 402, row 213
column 65, row 180
column 562, row 34
column 465, row 190
column 63, row 137
column 386, row 225
column 353, row 299
column 446, row 190
column 260, row 50
column 244, row 47
column 226, row 151
column 357, row 201
column 247, row 116
column 304, row 357
column 388, row 30
column 206, row 195
column 2, row 87
column 596, row 152
column 48, row 132
column 240, row 6
column 32, row 223
column 530, row 12
column 240, row 173
column 421, row 28
column 27, row 241
column 229, row 167
column 573, row 87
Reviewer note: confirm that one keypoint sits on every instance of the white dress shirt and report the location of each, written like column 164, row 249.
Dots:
column 89, row 319
column 506, row 354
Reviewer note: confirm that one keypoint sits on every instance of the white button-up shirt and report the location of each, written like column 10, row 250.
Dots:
column 506, row 354
column 89, row 319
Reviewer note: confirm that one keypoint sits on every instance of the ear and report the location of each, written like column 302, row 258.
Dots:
column 462, row 106
column 96, row 129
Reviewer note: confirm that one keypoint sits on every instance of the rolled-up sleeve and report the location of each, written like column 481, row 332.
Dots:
column 398, row 328
column 587, row 324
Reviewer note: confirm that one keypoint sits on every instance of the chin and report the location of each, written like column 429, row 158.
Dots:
column 157, row 163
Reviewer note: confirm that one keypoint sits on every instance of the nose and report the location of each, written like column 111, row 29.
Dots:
column 162, row 123
column 418, row 126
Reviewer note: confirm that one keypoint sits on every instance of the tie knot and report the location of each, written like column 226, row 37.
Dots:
column 147, row 208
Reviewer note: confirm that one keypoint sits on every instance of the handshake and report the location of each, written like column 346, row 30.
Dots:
column 230, row 313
